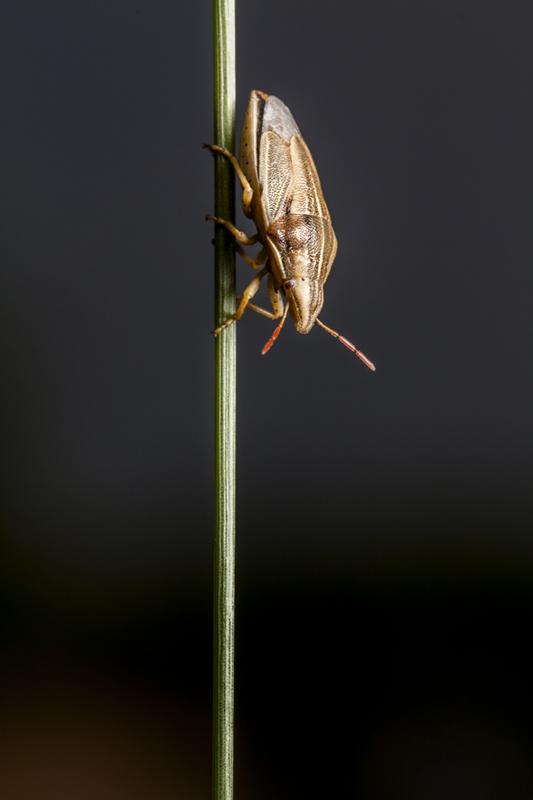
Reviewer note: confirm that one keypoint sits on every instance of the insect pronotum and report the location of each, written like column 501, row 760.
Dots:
column 283, row 196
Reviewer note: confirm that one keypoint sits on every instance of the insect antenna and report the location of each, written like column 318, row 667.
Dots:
column 348, row 344
column 275, row 335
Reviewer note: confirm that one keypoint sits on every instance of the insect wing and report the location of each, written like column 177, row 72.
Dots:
column 278, row 119
column 307, row 197
column 275, row 175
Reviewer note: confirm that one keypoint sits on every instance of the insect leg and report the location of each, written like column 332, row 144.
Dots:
column 275, row 299
column 239, row 235
column 263, row 311
column 247, row 191
column 256, row 262
column 249, row 292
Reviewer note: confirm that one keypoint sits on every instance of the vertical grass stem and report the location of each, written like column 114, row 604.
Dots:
column 225, row 406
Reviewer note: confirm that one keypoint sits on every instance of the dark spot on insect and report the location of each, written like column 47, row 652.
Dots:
column 303, row 279
column 289, row 284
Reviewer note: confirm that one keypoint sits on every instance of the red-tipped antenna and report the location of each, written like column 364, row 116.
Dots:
column 348, row 344
column 275, row 335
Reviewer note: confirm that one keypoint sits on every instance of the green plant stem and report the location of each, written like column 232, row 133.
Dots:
column 225, row 406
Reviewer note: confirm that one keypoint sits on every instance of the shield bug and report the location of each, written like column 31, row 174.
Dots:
column 283, row 196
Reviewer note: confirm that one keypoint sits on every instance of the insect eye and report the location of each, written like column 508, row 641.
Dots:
column 289, row 284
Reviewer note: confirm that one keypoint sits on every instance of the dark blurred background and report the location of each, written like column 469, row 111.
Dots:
column 385, row 522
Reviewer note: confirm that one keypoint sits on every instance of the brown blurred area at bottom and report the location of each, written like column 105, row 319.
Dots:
column 70, row 732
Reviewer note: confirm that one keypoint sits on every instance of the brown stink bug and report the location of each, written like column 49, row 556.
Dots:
column 283, row 196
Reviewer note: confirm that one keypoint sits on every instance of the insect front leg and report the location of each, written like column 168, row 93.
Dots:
column 249, row 292
column 276, row 300
column 247, row 191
